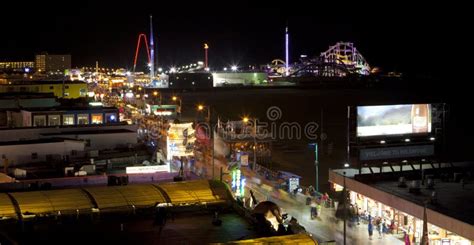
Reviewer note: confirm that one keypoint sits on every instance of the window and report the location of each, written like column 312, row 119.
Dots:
column 68, row 119
column 82, row 92
column 82, row 119
column 54, row 120
column 39, row 121
column 110, row 118
column 97, row 119
column 34, row 155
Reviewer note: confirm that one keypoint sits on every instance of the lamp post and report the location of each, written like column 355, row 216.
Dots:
column 254, row 134
column 180, row 103
column 211, row 133
column 316, row 165
column 345, row 205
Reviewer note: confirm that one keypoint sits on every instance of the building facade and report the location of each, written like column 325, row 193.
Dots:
column 60, row 89
column 52, row 63
column 17, row 65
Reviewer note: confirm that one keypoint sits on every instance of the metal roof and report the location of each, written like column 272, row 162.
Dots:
column 301, row 239
column 111, row 198
column 190, row 192
column 52, row 202
column 7, row 210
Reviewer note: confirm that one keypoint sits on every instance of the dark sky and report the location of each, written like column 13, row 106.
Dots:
column 402, row 38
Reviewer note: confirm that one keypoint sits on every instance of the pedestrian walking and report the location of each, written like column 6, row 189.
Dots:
column 407, row 239
column 383, row 227
column 370, row 228
column 378, row 226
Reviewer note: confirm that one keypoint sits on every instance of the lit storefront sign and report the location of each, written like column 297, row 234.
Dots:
column 147, row 169
column 238, row 183
column 180, row 140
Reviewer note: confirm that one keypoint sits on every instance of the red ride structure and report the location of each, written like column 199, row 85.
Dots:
column 142, row 35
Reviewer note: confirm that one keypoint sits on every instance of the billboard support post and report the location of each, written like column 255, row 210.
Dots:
column 316, row 164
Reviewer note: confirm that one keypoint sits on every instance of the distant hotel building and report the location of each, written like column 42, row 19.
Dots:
column 52, row 63
column 17, row 65
column 43, row 63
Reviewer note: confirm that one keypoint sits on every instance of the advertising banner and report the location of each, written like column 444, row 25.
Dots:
column 396, row 152
column 393, row 119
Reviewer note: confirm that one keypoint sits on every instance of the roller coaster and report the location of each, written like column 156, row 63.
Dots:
column 340, row 60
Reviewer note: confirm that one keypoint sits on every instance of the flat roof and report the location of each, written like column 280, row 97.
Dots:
column 452, row 199
column 71, row 108
column 39, row 82
column 98, row 131
column 36, row 141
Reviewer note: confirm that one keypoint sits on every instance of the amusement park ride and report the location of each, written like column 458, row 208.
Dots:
column 340, row 60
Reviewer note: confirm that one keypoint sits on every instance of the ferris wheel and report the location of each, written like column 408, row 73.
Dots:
column 278, row 66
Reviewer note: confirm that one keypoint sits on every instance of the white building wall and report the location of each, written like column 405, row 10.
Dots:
column 35, row 133
column 22, row 154
column 108, row 141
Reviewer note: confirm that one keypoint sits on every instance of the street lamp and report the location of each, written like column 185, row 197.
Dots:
column 316, row 164
column 211, row 133
column 254, row 134
column 233, row 68
column 175, row 99
column 345, row 205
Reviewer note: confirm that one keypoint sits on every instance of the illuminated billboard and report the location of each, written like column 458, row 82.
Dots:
column 393, row 119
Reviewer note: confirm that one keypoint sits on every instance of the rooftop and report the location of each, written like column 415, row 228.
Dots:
column 36, row 141
column 39, row 82
column 452, row 199
column 98, row 131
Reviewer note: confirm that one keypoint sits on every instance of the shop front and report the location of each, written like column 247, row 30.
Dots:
column 399, row 223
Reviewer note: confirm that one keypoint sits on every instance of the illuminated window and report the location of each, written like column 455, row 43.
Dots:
column 68, row 119
column 82, row 92
column 82, row 119
column 39, row 121
column 111, row 118
column 97, row 119
column 54, row 120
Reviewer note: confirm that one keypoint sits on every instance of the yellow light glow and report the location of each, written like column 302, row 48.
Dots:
column 155, row 93
column 246, row 119
column 174, row 98
column 200, row 107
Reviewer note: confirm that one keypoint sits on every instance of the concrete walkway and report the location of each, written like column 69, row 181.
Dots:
column 326, row 227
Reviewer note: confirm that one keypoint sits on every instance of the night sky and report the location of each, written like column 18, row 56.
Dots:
column 395, row 38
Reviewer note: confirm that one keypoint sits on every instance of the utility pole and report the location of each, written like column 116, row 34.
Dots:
column 345, row 205
column 316, row 164
column 254, row 166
